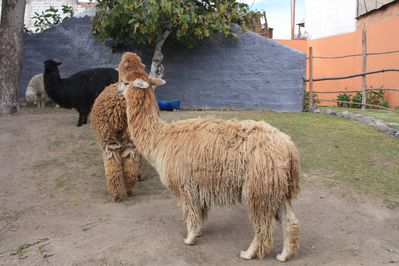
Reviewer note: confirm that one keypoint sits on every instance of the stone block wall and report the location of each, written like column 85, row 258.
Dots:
column 250, row 72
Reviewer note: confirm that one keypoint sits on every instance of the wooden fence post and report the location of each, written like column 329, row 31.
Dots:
column 364, row 68
column 310, row 78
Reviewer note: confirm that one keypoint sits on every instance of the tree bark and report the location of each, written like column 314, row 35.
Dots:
column 11, row 46
column 157, row 68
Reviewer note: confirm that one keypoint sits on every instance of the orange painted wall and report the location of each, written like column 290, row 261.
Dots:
column 380, row 37
column 300, row 45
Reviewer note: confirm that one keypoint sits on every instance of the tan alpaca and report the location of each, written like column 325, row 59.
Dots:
column 35, row 91
column 209, row 162
column 122, row 162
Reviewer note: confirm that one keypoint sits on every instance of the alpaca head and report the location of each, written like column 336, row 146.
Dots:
column 138, row 81
column 130, row 62
column 51, row 66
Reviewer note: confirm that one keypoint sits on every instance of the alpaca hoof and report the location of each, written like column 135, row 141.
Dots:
column 130, row 193
column 140, row 178
column 116, row 199
column 281, row 258
column 244, row 255
column 79, row 125
column 189, row 242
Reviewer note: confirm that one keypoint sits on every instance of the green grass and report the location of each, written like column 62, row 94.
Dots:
column 387, row 116
column 339, row 150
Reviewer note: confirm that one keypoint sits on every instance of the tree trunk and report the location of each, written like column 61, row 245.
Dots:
column 11, row 46
column 157, row 68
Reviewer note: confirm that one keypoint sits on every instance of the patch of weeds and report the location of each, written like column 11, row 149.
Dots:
column 391, row 203
column 64, row 182
column 19, row 250
column 46, row 164
column 45, row 253
column 54, row 144
column 90, row 225
column 85, row 136
column 90, row 155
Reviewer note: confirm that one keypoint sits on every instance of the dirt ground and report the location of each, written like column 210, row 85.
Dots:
column 55, row 209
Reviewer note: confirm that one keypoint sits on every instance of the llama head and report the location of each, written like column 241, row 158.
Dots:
column 139, row 81
column 130, row 62
column 51, row 65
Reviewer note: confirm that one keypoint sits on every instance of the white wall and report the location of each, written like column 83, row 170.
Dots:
column 329, row 17
column 38, row 6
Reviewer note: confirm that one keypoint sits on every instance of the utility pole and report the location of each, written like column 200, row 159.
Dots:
column 293, row 19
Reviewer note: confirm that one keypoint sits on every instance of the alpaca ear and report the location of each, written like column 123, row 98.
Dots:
column 58, row 63
column 157, row 82
column 141, row 84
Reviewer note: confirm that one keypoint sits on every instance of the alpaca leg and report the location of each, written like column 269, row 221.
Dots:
column 262, row 212
column 38, row 96
column 251, row 252
column 42, row 101
column 192, row 212
column 80, row 121
column 85, row 113
column 263, row 239
column 114, row 176
column 203, row 217
column 290, row 226
column 131, row 171
column 204, row 213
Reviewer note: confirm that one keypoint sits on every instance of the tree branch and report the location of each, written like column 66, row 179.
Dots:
column 157, row 68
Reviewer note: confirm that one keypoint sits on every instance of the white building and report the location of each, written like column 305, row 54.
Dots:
column 325, row 18
column 38, row 6
column 329, row 17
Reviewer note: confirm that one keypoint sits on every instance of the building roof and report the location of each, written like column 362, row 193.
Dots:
column 301, row 22
column 364, row 7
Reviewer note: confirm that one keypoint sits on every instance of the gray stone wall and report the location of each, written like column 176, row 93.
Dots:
column 250, row 72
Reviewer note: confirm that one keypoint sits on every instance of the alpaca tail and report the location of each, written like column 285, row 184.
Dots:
column 295, row 172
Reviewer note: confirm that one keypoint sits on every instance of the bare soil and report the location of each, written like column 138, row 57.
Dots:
column 55, row 209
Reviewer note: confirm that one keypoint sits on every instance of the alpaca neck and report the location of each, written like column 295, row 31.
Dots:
column 143, row 119
column 51, row 80
column 52, row 85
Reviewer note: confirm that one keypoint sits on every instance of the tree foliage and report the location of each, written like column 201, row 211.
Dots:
column 143, row 22
column 50, row 17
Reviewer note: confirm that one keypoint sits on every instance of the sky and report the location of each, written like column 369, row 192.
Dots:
column 278, row 14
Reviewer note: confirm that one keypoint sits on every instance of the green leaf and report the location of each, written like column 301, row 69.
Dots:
column 142, row 22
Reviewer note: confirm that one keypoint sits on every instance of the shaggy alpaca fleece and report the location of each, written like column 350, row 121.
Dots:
column 130, row 62
column 122, row 162
column 211, row 162
column 35, row 91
